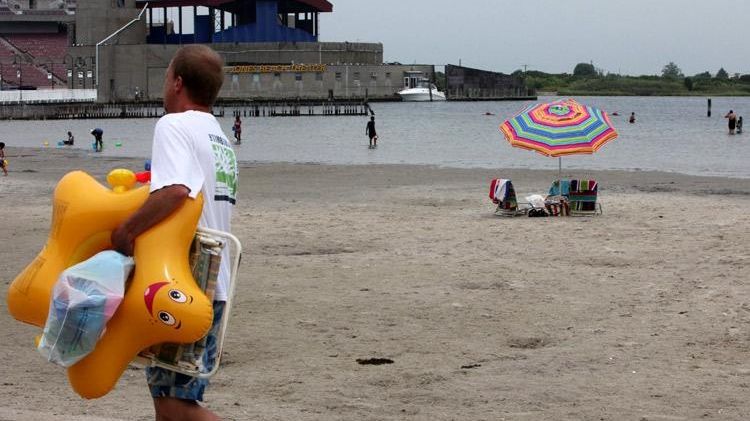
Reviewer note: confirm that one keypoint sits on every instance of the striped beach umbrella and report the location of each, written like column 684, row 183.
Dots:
column 559, row 128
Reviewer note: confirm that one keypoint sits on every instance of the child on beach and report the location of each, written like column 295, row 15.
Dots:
column 2, row 158
column 70, row 141
column 739, row 124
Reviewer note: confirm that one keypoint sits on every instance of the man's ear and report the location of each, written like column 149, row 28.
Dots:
column 178, row 85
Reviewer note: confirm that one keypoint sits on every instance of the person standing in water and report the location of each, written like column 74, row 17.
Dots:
column 732, row 121
column 237, row 129
column 98, row 142
column 739, row 124
column 371, row 133
column 631, row 120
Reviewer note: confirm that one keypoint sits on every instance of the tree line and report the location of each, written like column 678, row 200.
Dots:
column 586, row 79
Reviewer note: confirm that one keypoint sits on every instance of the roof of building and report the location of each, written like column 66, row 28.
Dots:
column 317, row 5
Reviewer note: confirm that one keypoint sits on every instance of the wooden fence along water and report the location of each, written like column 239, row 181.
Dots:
column 25, row 111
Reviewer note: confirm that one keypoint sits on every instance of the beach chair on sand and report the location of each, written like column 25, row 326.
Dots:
column 580, row 196
column 583, row 198
column 205, row 258
column 503, row 195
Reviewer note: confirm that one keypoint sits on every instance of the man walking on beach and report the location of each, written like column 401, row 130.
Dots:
column 373, row 135
column 191, row 154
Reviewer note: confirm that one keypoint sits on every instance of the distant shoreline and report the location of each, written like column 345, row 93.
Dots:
column 61, row 161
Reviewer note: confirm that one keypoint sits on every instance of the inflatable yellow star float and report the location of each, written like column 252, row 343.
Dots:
column 162, row 301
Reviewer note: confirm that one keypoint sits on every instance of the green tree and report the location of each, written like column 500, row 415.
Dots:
column 704, row 75
column 689, row 83
column 722, row 74
column 440, row 81
column 584, row 69
column 671, row 72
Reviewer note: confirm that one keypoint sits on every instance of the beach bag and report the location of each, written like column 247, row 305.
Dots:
column 83, row 300
column 537, row 212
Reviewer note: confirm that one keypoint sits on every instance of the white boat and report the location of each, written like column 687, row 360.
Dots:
column 418, row 88
column 422, row 94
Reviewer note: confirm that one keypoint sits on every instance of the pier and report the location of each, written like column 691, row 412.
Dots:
column 59, row 111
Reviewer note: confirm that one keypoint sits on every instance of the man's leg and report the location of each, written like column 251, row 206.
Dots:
column 169, row 409
column 176, row 395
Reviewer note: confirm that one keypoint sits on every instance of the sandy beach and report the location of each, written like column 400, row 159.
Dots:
column 639, row 314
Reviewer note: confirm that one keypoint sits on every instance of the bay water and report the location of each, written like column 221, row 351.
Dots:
column 671, row 134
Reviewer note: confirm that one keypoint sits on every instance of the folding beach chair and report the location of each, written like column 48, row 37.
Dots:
column 205, row 259
column 503, row 195
column 582, row 197
column 557, row 202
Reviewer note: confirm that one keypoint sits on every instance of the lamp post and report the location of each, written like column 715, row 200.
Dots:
column 90, row 72
column 17, row 64
column 68, row 61
column 80, row 64
column 49, row 75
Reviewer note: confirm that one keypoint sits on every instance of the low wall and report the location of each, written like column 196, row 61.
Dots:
column 43, row 96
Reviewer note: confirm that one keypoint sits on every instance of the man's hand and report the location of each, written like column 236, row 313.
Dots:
column 159, row 205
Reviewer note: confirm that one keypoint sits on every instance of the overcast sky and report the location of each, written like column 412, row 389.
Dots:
column 628, row 37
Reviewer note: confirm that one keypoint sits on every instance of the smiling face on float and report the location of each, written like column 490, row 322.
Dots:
column 165, row 304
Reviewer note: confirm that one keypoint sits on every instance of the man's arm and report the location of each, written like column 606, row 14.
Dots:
column 159, row 205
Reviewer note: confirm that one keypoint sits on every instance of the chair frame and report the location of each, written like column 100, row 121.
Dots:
column 213, row 238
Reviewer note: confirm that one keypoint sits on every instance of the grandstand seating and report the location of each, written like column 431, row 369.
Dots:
column 52, row 47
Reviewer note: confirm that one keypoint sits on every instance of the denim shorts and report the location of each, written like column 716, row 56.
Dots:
column 168, row 384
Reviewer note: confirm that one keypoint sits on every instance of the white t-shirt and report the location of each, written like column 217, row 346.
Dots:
column 190, row 149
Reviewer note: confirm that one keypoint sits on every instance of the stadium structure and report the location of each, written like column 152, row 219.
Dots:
column 116, row 51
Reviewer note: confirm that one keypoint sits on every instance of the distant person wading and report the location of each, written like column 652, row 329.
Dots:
column 371, row 133
column 732, row 121
column 98, row 142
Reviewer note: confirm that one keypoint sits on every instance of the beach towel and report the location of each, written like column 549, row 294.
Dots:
column 583, row 195
column 560, row 188
column 503, row 194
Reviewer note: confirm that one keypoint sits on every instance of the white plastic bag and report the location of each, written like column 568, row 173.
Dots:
column 536, row 201
column 83, row 300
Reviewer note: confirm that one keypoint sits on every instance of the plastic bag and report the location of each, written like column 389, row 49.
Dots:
column 536, row 201
column 83, row 300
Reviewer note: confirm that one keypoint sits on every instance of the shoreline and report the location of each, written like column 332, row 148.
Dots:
column 34, row 154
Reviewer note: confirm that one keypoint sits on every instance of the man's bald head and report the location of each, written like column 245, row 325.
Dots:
column 202, row 73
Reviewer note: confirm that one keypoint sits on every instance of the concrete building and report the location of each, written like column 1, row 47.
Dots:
column 465, row 83
column 270, row 47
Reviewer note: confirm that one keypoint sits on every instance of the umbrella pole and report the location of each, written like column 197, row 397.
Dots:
column 559, row 170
